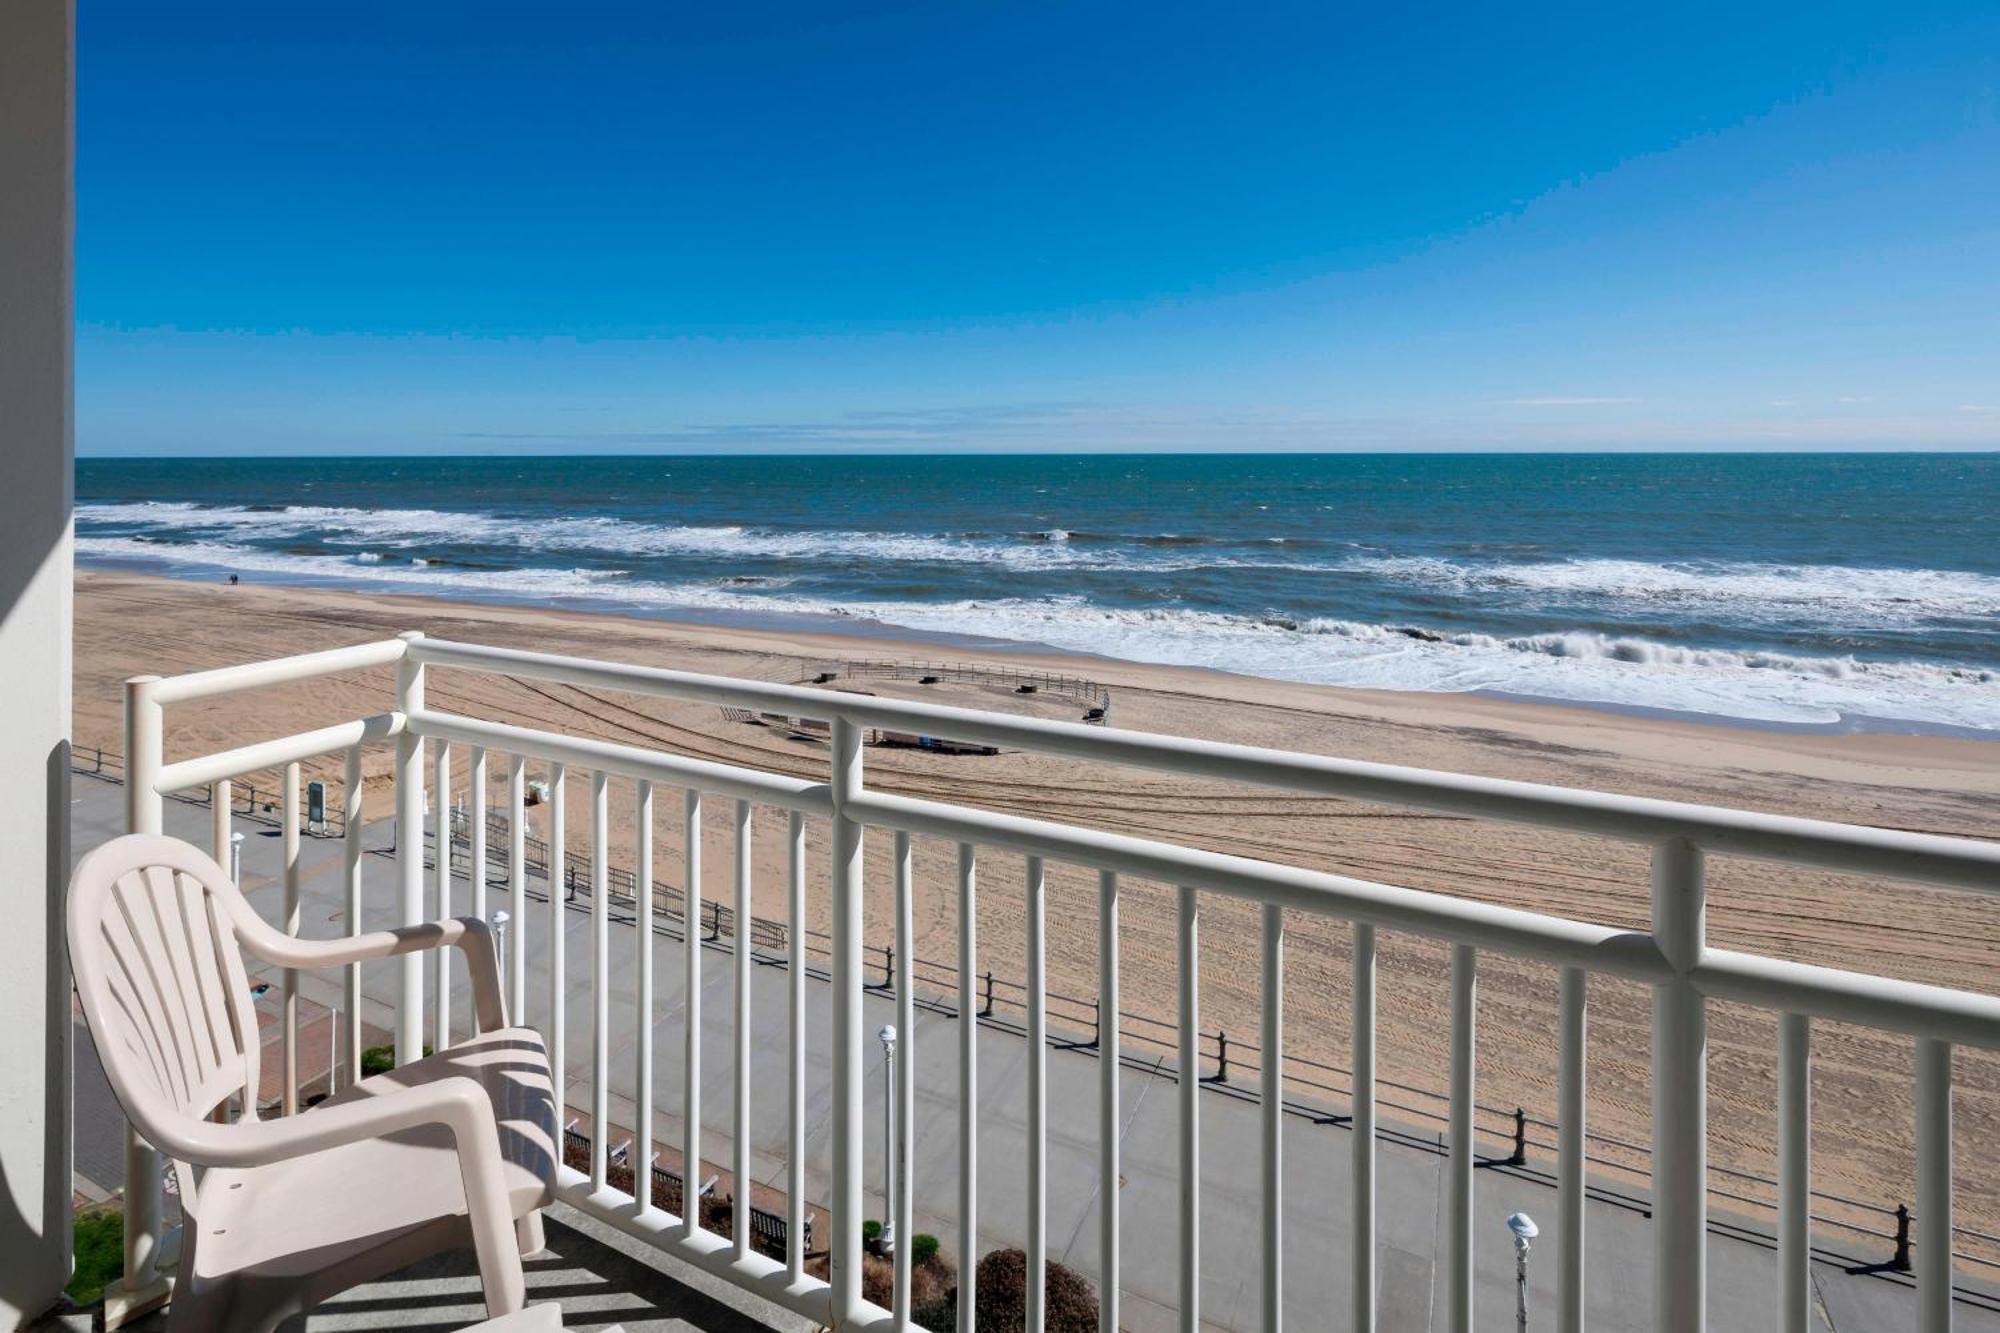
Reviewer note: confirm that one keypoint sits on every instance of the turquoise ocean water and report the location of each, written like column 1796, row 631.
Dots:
column 1815, row 590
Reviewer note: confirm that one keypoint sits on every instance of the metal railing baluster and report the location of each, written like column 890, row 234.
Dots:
column 1034, row 905
column 968, row 1080
column 476, row 835
column 1109, row 1130
column 1272, row 1059
column 517, row 882
column 600, row 976
column 900, row 1208
column 1571, row 1078
column 795, row 1064
column 410, row 673
column 1188, row 949
column 1795, row 1172
column 844, row 1261
column 1458, row 1181
column 1680, row 1095
column 353, row 799
column 691, row 1018
column 558, row 938
column 1933, row 1258
column 219, row 822
column 740, row 1129
column 441, row 961
column 289, row 978
column 642, row 1046
column 143, row 1286
column 1362, row 1144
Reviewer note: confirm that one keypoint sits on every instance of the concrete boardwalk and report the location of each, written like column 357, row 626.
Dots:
column 1742, row 1272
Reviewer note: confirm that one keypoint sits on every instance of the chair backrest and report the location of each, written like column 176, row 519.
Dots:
column 153, row 926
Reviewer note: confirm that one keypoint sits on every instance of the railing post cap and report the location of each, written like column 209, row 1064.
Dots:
column 140, row 682
column 409, row 635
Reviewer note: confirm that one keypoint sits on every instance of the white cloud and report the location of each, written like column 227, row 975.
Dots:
column 1979, row 407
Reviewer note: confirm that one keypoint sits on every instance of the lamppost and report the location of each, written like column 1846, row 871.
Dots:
column 236, row 858
column 887, row 1035
column 1524, row 1230
column 500, row 920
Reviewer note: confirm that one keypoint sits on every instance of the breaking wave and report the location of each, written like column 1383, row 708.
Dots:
column 1736, row 592
column 1868, row 595
column 1579, row 665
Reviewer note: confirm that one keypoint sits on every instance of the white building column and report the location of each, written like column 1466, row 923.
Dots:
column 37, row 87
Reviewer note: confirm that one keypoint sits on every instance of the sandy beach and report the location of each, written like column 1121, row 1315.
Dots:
column 131, row 624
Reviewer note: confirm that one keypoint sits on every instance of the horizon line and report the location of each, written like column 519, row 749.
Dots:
column 1579, row 452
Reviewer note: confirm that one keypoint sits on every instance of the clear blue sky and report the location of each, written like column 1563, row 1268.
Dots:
column 674, row 227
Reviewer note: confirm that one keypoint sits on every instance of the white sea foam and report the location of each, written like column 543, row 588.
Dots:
column 1868, row 596
column 1580, row 666
column 227, row 557
column 595, row 535
column 1827, row 596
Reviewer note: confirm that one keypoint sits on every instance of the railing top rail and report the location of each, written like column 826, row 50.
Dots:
column 1957, row 862
column 628, row 761
column 1964, row 1018
column 276, row 671
column 1440, row 916
column 223, row 764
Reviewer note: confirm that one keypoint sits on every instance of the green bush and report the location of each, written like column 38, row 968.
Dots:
column 381, row 1059
column 871, row 1231
column 100, row 1254
column 923, row 1248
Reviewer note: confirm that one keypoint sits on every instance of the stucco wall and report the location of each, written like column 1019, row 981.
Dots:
column 36, row 209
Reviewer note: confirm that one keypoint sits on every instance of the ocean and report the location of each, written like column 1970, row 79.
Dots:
column 1850, row 591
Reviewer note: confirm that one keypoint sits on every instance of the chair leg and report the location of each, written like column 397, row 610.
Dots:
column 505, row 1286
column 528, row 1230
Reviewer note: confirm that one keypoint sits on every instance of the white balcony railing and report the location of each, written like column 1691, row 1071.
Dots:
column 1683, row 973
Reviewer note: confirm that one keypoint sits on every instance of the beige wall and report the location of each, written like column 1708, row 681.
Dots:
column 36, row 210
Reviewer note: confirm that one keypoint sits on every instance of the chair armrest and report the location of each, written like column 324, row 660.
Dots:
column 458, row 1103
column 468, row 934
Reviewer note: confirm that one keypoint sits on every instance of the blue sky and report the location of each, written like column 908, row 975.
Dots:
column 678, row 228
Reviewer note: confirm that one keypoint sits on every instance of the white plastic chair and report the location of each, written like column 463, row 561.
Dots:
column 457, row 1147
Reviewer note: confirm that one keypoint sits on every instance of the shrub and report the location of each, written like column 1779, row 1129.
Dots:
column 381, row 1059
column 923, row 1248
column 100, row 1254
column 932, row 1279
column 878, row 1280
column 871, row 1231
column 878, row 1277
column 1001, row 1298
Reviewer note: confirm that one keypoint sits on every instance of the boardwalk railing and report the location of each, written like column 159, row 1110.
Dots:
column 1672, row 957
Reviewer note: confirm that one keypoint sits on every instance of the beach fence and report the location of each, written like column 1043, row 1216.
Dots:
column 1091, row 699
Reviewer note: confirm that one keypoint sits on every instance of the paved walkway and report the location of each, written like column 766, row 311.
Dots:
column 1742, row 1288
